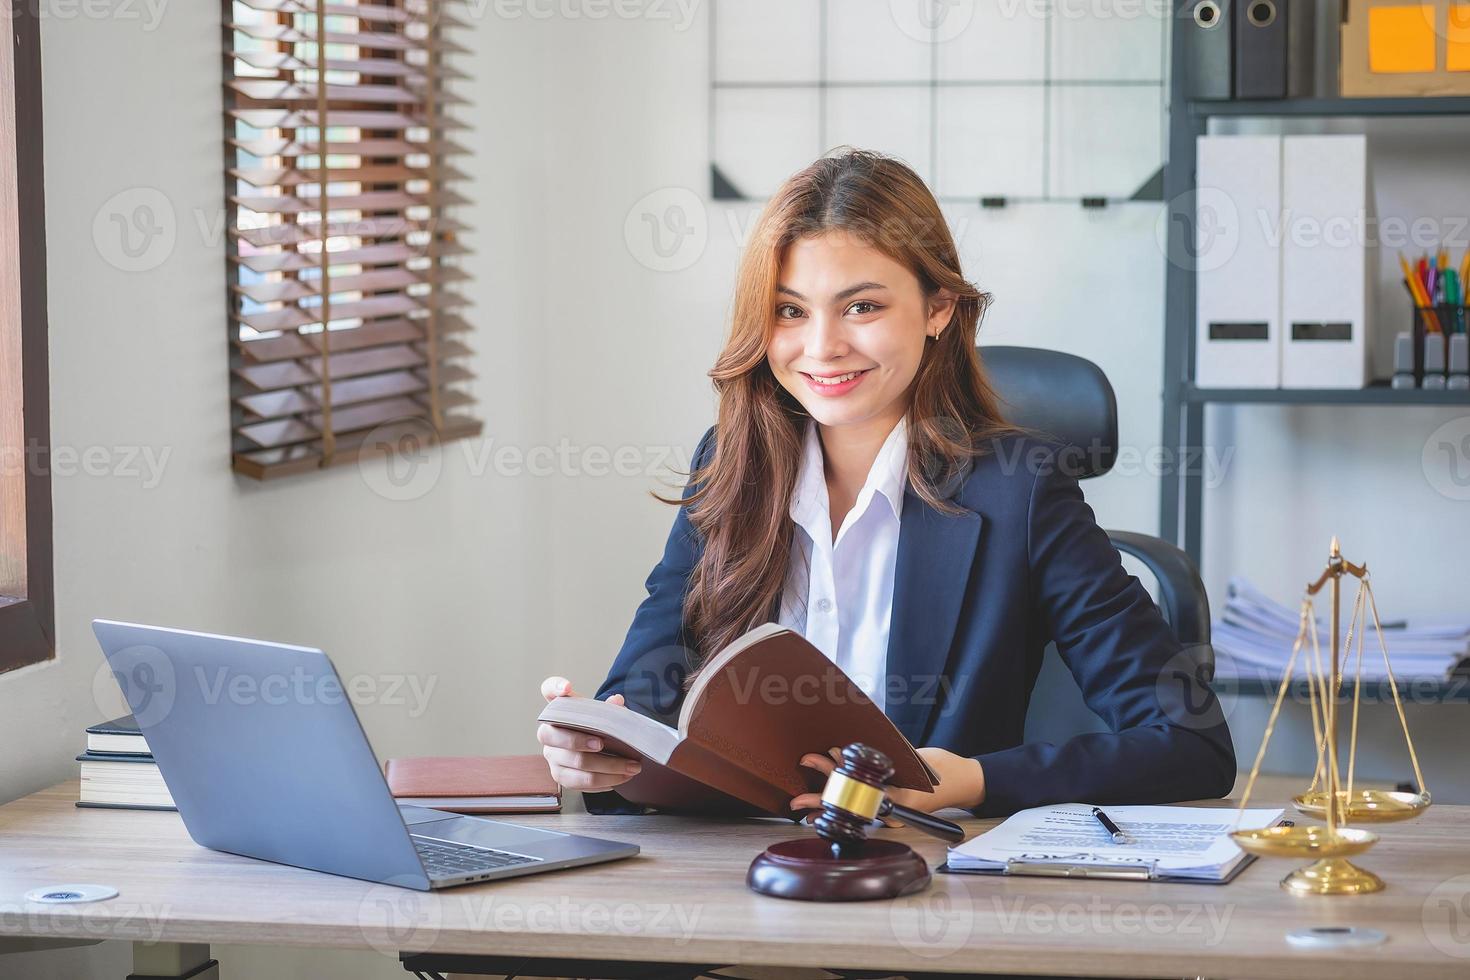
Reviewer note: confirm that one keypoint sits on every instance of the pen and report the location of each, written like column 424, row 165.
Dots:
column 1117, row 833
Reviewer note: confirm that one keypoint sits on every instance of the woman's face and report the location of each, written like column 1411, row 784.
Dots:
column 850, row 328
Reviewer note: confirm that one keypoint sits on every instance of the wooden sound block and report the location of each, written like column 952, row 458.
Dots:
column 806, row 869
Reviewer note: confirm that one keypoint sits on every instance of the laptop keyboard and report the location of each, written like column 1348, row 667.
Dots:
column 446, row 859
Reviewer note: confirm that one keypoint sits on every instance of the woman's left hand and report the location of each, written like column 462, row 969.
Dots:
column 961, row 782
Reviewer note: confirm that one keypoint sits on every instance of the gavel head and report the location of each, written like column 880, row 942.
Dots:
column 852, row 798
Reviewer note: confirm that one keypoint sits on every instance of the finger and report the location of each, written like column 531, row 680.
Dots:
column 835, row 753
column 609, row 765
column 806, row 801
column 556, row 687
column 558, row 737
column 615, row 699
column 814, row 760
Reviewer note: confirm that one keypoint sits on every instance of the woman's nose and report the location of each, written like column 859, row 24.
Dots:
column 825, row 339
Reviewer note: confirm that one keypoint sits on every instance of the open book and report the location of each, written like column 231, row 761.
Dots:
column 752, row 712
column 1169, row 843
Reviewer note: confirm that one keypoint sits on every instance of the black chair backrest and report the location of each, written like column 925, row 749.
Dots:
column 1069, row 398
column 1061, row 395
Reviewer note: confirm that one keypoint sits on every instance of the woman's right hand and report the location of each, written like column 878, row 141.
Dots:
column 576, row 758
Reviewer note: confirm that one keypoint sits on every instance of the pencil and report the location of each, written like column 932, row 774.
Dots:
column 1421, row 300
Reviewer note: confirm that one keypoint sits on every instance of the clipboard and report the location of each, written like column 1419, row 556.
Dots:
column 1104, row 872
column 1110, row 872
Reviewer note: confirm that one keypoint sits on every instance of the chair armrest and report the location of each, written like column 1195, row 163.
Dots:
column 1181, row 593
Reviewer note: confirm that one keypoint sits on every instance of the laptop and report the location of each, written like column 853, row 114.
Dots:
column 264, row 756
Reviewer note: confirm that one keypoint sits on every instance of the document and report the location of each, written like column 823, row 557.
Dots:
column 1170, row 842
column 1253, row 636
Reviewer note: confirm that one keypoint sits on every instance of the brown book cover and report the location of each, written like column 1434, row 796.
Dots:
column 752, row 712
column 475, row 784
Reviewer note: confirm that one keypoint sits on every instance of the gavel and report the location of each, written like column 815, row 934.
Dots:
column 854, row 797
column 843, row 865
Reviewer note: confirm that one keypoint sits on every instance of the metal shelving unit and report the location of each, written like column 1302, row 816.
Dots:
column 1450, row 105
column 1455, row 689
column 1378, row 394
column 1182, row 491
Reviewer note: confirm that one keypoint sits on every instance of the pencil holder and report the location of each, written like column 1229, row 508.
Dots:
column 1446, row 318
column 1456, row 318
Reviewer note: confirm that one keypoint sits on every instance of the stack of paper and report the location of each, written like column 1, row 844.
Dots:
column 1254, row 635
column 1169, row 842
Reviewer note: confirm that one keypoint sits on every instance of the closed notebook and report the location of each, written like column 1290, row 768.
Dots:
column 475, row 784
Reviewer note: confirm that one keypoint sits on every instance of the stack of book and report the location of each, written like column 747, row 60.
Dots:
column 118, row 771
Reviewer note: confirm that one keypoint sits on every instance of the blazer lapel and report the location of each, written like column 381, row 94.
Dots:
column 936, row 552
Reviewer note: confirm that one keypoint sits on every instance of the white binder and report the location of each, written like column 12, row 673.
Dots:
column 1325, row 282
column 1237, row 262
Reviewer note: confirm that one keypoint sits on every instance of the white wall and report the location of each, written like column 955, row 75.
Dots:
column 451, row 589
column 491, row 581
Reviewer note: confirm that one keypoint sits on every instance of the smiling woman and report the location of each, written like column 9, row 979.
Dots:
column 861, row 487
column 26, row 614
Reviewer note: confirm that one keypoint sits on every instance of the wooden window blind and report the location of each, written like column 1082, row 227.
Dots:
column 346, row 323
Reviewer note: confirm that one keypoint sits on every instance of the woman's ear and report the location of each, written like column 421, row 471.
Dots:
column 941, row 310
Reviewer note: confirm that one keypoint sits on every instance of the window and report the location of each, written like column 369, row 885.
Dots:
column 27, row 619
column 346, row 332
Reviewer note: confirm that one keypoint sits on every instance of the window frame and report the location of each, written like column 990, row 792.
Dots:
column 28, row 622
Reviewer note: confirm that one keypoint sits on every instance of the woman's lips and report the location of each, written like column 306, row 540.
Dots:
column 831, row 386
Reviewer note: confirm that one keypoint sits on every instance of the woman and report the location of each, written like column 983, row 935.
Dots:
column 860, row 486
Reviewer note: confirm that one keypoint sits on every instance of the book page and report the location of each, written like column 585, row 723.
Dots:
column 641, row 734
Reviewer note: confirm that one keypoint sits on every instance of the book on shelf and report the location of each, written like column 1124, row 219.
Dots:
column 475, row 784
column 715, row 760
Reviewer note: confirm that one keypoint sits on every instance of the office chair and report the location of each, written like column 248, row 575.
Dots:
column 1069, row 398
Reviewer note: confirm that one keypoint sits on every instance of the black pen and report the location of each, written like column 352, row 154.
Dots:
column 1117, row 833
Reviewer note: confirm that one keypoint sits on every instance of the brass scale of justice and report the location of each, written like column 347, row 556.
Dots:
column 1333, row 843
column 843, row 865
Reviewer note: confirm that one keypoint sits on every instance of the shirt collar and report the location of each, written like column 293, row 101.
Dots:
column 890, row 472
column 887, row 477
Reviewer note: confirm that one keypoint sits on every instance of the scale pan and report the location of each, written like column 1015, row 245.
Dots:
column 1367, row 805
column 1304, row 841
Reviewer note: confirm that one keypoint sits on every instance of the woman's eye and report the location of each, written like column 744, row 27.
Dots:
column 862, row 306
column 787, row 311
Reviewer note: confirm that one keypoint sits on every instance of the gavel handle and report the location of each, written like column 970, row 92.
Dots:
column 927, row 822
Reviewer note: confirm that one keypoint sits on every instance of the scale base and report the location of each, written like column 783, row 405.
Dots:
column 1332, row 876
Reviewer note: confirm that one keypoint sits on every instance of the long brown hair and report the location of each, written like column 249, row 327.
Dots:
column 740, row 497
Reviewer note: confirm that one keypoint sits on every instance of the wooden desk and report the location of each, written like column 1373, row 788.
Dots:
column 684, row 901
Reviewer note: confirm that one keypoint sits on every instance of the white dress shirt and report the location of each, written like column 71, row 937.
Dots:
column 839, row 593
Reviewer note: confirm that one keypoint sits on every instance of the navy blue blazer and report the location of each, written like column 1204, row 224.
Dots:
column 977, row 596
